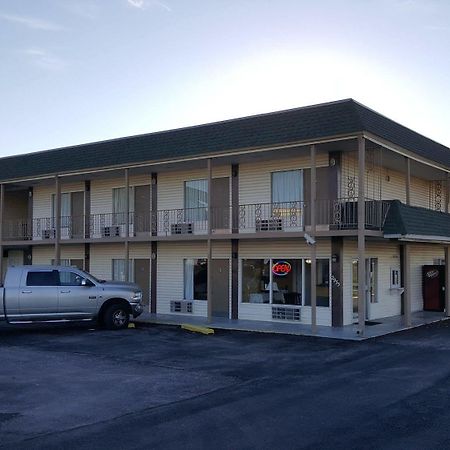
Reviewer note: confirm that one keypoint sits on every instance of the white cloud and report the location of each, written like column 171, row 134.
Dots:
column 31, row 22
column 44, row 59
column 144, row 4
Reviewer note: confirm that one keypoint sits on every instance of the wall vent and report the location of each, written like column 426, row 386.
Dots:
column 48, row 234
column 285, row 313
column 273, row 224
column 181, row 306
column 112, row 231
column 181, row 228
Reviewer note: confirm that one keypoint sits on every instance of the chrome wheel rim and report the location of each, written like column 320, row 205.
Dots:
column 119, row 318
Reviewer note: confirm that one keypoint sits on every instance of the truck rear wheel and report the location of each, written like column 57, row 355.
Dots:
column 116, row 317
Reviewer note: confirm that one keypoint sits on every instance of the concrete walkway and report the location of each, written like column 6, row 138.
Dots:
column 348, row 332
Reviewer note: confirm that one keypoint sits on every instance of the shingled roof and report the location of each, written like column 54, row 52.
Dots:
column 342, row 117
column 404, row 220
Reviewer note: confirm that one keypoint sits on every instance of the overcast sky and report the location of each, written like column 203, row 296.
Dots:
column 76, row 71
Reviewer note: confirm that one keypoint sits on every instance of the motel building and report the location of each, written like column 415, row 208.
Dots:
column 326, row 215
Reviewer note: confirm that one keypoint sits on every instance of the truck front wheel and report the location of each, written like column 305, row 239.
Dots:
column 116, row 317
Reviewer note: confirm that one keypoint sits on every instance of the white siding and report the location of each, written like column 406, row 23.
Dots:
column 389, row 301
column 280, row 249
column 170, row 271
column 255, row 177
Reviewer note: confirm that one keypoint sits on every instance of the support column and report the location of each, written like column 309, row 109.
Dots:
column 2, row 203
column 154, row 277
column 447, row 280
column 407, row 284
column 235, row 198
column 361, row 234
column 87, row 209
column 57, row 221
column 447, row 192
column 87, row 257
column 154, row 205
column 234, row 278
column 337, row 273
column 209, row 244
column 313, row 246
column 127, row 225
column 408, row 180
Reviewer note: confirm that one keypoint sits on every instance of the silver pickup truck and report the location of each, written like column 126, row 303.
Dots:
column 59, row 293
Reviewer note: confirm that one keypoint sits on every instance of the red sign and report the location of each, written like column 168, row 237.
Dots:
column 281, row 268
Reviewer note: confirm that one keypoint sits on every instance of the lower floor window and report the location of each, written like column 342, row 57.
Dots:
column 371, row 282
column 118, row 270
column 285, row 282
column 195, row 279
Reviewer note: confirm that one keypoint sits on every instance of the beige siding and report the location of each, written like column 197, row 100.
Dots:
column 170, row 282
column 101, row 192
column 171, row 185
column 280, row 249
column 45, row 254
column 42, row 198
column 255, row 177
column 392, row 183
column 389, row 301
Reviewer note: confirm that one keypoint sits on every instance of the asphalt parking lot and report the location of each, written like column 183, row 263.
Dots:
column 160, row 387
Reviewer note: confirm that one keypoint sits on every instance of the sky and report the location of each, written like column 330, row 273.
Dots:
column 77, row 71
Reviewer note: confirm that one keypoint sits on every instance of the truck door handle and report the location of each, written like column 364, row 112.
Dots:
column 27, row 292
column 65, row 292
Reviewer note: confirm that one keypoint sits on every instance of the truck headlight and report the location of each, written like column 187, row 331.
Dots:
column 137, row 296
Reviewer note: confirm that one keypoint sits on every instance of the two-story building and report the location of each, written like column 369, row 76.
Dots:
column 321, row 215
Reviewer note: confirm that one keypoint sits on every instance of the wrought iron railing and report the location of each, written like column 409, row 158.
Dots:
column 338, row 214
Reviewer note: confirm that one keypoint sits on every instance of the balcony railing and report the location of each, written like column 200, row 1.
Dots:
column 340, row 214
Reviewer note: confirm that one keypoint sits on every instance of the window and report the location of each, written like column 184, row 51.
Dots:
column 195, row 279
column 65, row 209
column 118, row 270
column 70, row 278
column 322, row 282
column 119, row 205
column 284, row 281
column 287, row 186
column 196, row 200
column 43, row 278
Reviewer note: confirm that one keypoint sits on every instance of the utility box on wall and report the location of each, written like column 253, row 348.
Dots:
column 433, row 288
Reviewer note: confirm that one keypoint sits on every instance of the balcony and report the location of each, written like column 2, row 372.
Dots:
column 340, row 214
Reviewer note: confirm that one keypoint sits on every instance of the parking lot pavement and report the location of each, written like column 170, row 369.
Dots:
column 161, row 387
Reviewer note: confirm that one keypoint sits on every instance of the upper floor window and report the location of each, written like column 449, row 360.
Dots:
column 119, row 204
column 65, row 212
column 287, row 186
column 196, row 199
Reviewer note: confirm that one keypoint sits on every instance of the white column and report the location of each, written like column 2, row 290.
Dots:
column 407, row 284
column 447, row 281
column 57, row 220
column 313, row 246
column 361, row 235
column 127, row 225
column 209, row 243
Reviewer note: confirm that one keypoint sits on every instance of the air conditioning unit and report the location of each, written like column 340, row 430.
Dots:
column 181, row 228
column 112, row 231
column 48, row 234
column 181, row 306
column 272, row 224
column 285, row 313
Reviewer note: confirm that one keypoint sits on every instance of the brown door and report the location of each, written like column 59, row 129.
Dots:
column 220, row 203
column 77, row 212
column 142, row 278
column 220, row 287
column 142, row 209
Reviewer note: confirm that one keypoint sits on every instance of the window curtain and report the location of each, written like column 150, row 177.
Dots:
column 118, row 269
column 196, row 196
column 287, row 186
column 65, row 210
column 119, row 205
column 188, row 279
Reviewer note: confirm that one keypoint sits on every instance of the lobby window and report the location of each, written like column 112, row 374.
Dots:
column 118, row 270
column 195, row 279
column 322, row 284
